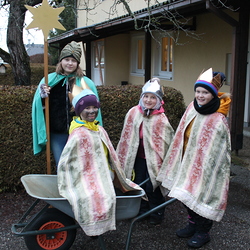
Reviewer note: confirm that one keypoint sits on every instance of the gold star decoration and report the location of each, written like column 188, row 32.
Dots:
column 45, row 18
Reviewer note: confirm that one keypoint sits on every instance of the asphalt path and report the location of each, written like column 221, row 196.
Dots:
column 232, row 232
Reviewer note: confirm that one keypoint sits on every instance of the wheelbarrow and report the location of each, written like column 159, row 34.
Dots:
column 54, row 227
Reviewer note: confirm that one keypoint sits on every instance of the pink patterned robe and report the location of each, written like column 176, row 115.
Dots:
column 157, row 136
column 84, row 179
column 200, row 179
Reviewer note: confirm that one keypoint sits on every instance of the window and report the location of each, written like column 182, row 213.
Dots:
column 163, row 58
column 137, row 57
column 99, row 54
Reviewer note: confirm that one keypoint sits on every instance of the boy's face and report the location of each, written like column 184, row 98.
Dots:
column 89, row 114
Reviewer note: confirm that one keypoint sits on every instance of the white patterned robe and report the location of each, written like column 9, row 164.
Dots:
column 157, row 136
column 200, row 179
column 84, row 179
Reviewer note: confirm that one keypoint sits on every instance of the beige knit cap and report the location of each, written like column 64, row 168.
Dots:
column 71, row 49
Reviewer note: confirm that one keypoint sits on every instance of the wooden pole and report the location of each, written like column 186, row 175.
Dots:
column 47, row 107
column 44, row 18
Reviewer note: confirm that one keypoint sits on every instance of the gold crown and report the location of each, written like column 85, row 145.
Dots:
column 77, row 90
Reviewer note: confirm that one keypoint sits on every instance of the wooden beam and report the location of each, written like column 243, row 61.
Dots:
column 147, row 75
column 239, row 72
column 88, row 59
column 222, row 15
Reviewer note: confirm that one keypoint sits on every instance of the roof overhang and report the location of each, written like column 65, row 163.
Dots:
column 123, row 24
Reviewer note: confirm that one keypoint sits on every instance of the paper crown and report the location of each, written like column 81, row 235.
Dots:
column 209, row 81
column 76, row 90
column 153, row 86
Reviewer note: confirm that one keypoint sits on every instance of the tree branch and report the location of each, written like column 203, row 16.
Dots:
column 5, row 56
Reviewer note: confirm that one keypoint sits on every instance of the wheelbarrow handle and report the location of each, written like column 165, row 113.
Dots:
column 142, row 183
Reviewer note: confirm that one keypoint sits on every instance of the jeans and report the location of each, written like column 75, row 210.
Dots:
column 57, row 143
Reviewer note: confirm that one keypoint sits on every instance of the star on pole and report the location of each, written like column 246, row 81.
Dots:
column 45, row 17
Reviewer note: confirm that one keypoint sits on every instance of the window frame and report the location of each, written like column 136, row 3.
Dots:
column 135, row 55
column 157, row 55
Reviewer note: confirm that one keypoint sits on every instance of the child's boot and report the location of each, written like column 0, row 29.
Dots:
column 187, row 231
column 199, row 239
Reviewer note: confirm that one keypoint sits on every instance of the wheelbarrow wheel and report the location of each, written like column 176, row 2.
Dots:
column 51, row 219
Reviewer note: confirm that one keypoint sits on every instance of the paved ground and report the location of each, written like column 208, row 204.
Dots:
column 233, row 232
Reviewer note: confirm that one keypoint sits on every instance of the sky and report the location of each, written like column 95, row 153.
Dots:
column 29, row 36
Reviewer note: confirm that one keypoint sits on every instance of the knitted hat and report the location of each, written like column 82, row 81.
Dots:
column 72, row 49
column 152, row 86
column 84, row 99
column 211, row 81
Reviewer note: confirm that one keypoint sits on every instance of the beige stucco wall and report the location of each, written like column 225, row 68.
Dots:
column 190, row 58
column 117, row 58
column 193, row 56
column 196, row 55
column 102, row 11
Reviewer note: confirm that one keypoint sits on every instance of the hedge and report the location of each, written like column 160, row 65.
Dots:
column 16, row 153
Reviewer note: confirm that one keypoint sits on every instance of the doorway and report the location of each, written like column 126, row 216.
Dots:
column 98, row 62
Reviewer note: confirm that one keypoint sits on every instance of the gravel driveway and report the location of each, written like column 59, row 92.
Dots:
column 233, row 232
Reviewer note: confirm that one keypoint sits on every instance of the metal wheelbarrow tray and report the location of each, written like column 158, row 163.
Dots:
column 43, row 228
column 44, row 187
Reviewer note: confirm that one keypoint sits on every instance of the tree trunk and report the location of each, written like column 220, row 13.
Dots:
column 20, row 62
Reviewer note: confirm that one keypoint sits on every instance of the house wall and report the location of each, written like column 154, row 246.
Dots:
column 103, row 11
column 117, row 59
column 191, row 58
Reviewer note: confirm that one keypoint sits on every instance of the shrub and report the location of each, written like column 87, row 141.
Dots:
column 16, row 153
column 117, row 100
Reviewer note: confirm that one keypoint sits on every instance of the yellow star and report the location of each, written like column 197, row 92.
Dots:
column 45, row 18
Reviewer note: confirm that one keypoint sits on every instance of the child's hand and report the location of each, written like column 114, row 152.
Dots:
column 44, row 90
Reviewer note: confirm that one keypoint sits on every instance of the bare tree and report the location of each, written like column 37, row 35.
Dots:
column 17, row 56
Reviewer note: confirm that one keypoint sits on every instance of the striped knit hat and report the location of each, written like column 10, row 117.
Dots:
column 211, row 81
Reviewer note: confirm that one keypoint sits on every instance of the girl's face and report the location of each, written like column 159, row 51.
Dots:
column 203, row 96
column 69, row 65
column 149, row 100
column 89, row 114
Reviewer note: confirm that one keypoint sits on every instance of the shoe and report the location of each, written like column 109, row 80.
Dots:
column 198, row 240
column 187, row 231
column 155, row 220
